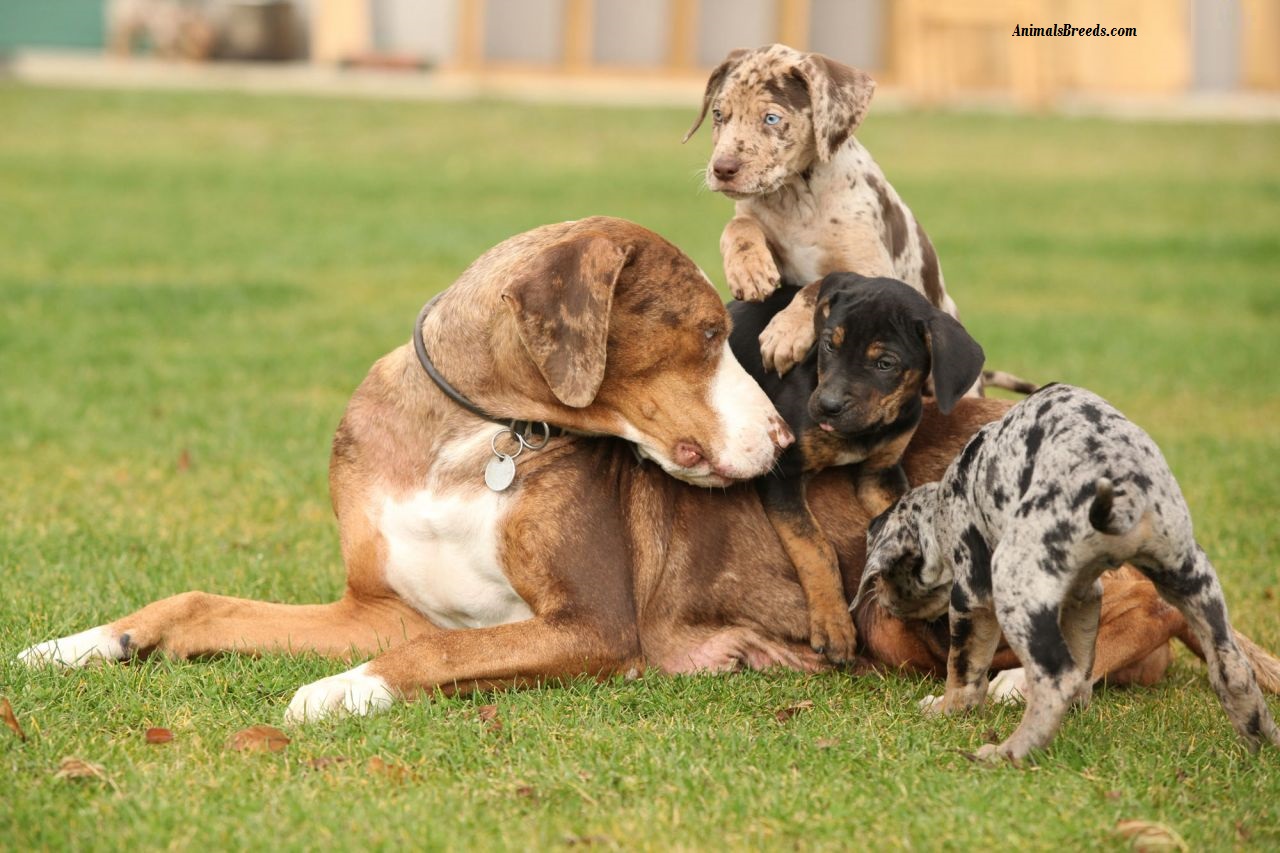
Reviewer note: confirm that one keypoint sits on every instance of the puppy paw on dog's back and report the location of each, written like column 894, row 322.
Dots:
column 787, row 339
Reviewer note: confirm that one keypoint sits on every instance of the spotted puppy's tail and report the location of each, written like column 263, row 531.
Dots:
column 1112, row 512
column 1007, row 381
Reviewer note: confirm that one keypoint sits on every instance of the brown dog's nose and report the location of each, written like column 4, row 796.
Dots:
column 688, row 454
column 780, row 434
column 726, row 168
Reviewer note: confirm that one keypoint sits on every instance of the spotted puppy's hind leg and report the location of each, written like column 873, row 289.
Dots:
column 1081, row 614
column 1029, row 602
column 1191, row 585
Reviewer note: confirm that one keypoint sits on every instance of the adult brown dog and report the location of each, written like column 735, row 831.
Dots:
column 590, row 563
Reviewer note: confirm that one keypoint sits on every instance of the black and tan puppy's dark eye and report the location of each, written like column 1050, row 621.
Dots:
column 886, row 363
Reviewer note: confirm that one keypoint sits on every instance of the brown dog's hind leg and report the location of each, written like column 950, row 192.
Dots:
column 197, row 624
column 1134, row 630
column 831, row 630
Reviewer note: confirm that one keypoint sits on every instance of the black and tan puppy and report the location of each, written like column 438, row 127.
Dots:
column 855, row 399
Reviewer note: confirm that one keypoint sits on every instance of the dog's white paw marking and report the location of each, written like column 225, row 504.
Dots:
column 350, row 692
column 931, row 704
column 77, row 650
column 1009, row 686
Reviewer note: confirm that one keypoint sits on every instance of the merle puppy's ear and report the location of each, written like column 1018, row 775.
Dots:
column 714, row 82
column 840, row 95
column 879, row 556
column 956, row 358
column 561, row 306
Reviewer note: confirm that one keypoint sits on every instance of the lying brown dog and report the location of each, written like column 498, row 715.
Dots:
column 586, row 562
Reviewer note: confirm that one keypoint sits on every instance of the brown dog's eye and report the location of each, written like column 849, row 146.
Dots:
column 716, row 116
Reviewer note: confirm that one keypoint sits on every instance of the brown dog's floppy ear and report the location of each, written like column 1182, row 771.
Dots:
column 840, row 95
column 956, row 359
column 714, row 82
column 561, row 308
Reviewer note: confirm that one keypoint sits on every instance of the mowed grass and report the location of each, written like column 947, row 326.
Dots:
column 192, row 285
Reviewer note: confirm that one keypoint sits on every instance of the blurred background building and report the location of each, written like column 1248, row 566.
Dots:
column 928, row 50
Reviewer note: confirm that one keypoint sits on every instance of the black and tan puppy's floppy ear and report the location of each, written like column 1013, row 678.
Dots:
column 956, row 359
column 561, row 307
column 840, row 95
column 714, row 82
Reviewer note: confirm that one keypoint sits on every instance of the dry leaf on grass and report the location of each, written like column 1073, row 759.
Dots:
column 325, row 760
column 376, row 766
column 184, row 460
column 826, row 743
column 1148, row 835
column 11, row 719
column 489, row 716
column 527, row 791
column 587, row 840
column 258, row 738
column 77, row 768
column 784, row 714
column 158, row 735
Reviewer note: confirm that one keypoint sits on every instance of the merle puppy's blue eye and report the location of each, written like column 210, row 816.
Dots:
column 772, row 118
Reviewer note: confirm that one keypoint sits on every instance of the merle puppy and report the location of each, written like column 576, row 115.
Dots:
column 855, row 399
column 1015, row 536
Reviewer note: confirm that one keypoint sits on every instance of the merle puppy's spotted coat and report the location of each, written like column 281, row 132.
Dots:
column 1014, row 538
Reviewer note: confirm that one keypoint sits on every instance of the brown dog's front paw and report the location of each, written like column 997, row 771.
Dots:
column 752, row 274
column 836, row 638
column 786, row 340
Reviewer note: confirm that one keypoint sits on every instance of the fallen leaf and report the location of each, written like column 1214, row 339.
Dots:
column 1242, row 831
column 1148, row 835
column 790, row 711
column 826, row 743
column 258, row 738
column 395, row 772
column 526, row 791
column 587, row 840
column 184, row 460
column 1113, row 794
column 489, row 716
column 158, row 735
column 325, row 760
column 11, row 719
column 77, row 768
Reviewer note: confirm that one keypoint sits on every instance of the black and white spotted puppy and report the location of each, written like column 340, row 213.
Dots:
column 1015, row 537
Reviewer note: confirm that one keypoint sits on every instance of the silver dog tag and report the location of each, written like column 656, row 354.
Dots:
column 499, row 472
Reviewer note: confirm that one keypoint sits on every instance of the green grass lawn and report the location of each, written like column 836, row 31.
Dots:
column 192, row 285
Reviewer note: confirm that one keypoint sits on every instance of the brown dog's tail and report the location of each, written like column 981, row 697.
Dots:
column 1007, row 381
column 1266, row 666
